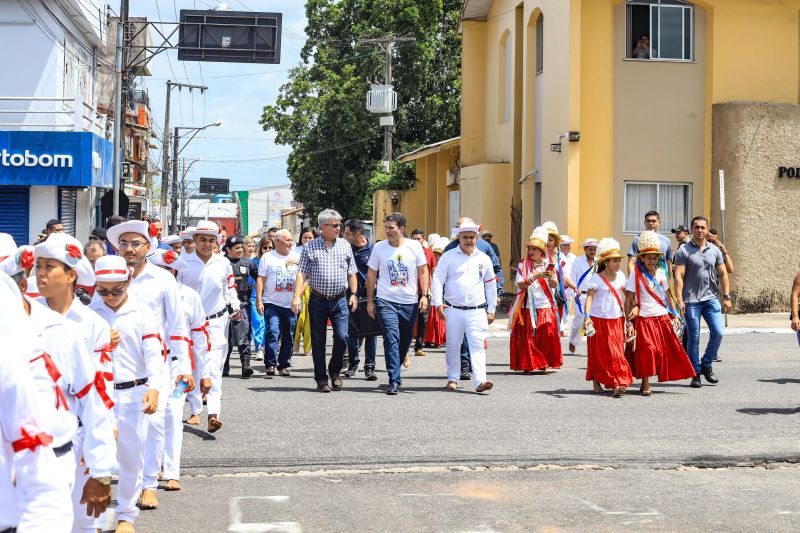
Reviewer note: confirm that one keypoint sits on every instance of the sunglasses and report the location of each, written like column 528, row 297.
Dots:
column 105, row 292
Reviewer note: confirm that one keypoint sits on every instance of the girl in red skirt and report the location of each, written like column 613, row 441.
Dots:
column 435, row 334
column 535, row 347
column 607, row 365
column 658, row 350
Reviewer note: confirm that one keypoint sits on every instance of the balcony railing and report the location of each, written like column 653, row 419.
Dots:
column 141, row 97
column 52, row 113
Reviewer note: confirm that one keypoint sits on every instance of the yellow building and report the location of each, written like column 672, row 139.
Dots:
column 565, row 117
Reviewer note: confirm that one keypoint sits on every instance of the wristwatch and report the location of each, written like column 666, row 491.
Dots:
column 726, row 296
column 105, row 480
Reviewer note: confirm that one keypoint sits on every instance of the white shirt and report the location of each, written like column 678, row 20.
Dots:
column 158, row 289
column 566, row 262
column 195, row 317
column 535, row 289
column 579, row 266
column 139, row 352
column 647, row 305
column 465, row 280
column 215, row 284
column 69, row 357
column 278, row 278
column 397, row 270
column 604, row 305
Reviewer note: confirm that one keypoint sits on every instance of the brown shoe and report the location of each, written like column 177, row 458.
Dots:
column 214, row 424
column 270, row 370
column 322, row 386
column 283, row 371
column 571, row 348
column 452, row 385
column 193, row 420
column 336, row 382
column 486, row 385
column 173, row 484
column 148, row 499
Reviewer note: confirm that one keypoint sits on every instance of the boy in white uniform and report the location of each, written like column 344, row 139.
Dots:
column 138, row 361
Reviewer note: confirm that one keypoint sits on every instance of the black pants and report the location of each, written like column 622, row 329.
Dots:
column 422, row 325
column 239, row 336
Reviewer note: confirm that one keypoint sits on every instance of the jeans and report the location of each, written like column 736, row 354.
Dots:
column 466, row 362
column 397, row 322
column 354, row 345
column 711, row 311
column 279, row 323
column 319, row 312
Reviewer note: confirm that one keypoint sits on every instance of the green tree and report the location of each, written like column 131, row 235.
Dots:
column 320, row 111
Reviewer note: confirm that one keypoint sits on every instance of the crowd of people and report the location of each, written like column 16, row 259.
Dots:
column 112, row 338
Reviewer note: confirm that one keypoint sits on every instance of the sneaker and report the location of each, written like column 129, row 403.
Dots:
column 247, row 372
column 351, row 371
column 259, row 355
column 369, row 374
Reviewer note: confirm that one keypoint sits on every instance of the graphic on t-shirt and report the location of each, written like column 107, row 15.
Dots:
column 480, row 272
column 398, row 272
column 284, row 279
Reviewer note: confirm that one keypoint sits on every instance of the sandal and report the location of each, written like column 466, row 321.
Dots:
column 619, row 392
column 646, row 392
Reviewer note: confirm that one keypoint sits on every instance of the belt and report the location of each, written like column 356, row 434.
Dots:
column 216, row 315
column 319, row 296
column 9, row 530
column 174, row 357
column 63, row 449
column 466, row 307
column 130, row 384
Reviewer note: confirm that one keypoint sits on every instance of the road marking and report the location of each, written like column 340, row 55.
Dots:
column 428, row 495
column 598, row 509
column 237, row 526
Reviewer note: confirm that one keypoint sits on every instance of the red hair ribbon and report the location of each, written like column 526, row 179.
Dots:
column 170, row 257
column 189, row 342
column 152, row 230
column 204, row 329
column 105, row 352
column 55, row 375
column 30, row 442
column 163, row 344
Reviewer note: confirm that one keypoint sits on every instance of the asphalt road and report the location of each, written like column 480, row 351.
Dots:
column 319, row 462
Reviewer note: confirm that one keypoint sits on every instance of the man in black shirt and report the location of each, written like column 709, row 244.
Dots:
column 239, row 329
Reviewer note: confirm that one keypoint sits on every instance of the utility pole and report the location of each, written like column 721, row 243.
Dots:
column 119, row 106
column 174, row 203
column 387, row 45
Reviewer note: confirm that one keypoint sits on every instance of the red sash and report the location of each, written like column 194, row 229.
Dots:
column 189, row 342
column 615, row 292
column 640, row 279
column 548, row 292
column 105, row 352
column 30, row 442
column 100, row 385
column 204, row 329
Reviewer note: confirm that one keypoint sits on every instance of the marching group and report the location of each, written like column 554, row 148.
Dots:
column 111, row 339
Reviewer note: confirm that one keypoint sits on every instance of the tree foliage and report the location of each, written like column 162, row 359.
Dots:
column 320, row 111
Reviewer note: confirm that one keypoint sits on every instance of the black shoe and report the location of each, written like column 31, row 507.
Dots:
column 696, row 383
column 717, row 359
column 247, row 372
column 465, row 376
column 393, row 389
column 226, row 372
column 351, row 371
column 708, row 373
column 322, row 386
column 369, row 374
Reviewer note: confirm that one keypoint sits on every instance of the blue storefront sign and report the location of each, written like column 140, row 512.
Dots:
column 56, row 158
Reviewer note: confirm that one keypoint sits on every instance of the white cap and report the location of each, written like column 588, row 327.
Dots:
column 589, row 242
column 172, row 239
column 21, row 261
column 204, row 227
column 466, row 228
column 168, row 259
column 566, row 239
column 7, row 245
column 186, row 235
column 67, row 249
column 148, row 231
column 111, row 268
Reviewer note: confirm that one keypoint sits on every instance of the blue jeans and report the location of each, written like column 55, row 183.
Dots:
column 397, row 322
column 711, row 311
column 279, row 323
column 466, row 362
column 354, row 345
column 319, row 312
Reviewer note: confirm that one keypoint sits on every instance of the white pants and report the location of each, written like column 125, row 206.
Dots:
column 214, row 396
column 570, row 305
column 81, row 522
column 154, row 447
column 195, row 397
column 475, row 326
column 173, row 429
column 577, row 323
column 132, row 427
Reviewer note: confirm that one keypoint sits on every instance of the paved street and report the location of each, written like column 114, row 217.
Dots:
column 537, row 453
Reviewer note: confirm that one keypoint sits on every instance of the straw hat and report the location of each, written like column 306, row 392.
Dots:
column 608, row 248
column 552, row 229
column 539, row 238
column 649, row 243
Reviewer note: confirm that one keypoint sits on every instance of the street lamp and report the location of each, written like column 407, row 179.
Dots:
column 176, row 151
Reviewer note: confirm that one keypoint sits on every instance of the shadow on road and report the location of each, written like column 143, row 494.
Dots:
column 197, row 432
column 770, row 410
column 780, row 381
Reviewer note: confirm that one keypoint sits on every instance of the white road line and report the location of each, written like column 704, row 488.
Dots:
column 237, row 526
column 598, row 509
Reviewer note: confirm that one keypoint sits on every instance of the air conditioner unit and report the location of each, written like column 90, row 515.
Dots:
column 452, row 177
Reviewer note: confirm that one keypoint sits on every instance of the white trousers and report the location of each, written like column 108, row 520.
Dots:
column 475, row 326
column 154, row 447
column 132, row 425
column 195, row 397
column 577, row 323
column 570, row 305
column 214, row 396
column 81, row 522
column 173, row 432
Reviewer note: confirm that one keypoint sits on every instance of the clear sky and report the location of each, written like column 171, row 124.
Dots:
column 237, row 92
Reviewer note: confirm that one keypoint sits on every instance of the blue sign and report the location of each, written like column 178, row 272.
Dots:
column 56, row 158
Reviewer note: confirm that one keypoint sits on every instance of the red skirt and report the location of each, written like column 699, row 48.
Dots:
column 435, row 332
column 658, row 351
column 545, row 340
column 524, row 353
column 606, row 362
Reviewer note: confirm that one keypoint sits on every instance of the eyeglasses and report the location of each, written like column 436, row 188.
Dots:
column 135, row 245
column 337, row 226
column 115, row 293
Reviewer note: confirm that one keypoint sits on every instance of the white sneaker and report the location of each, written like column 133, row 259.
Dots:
column 259, row 355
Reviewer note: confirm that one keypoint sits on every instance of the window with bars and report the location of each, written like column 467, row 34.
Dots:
column 673, row 201
column 660, row 30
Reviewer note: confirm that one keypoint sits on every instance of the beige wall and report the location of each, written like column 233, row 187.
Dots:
column 750, row 142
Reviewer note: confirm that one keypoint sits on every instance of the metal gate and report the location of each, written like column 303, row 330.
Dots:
column 68, row 209
column 14, row 212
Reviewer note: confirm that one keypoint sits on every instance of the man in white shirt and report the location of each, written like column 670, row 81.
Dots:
column 211, row 276
column 277, row 272
column 401, row 264
column 567, row 258
column 580, row 274
column 465, row 294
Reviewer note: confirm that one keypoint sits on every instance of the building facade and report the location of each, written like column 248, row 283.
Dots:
column 592, row 112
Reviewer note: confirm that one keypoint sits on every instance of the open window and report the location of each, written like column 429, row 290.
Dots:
column 660, row 30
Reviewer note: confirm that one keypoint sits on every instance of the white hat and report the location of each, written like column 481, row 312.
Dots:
column 608, row 248
column 441, row 244
column 172, row 239
column 204, row 227
column 111, row 268
column 168, row 259
column 21, row 261
column 433, row 239
column 466, row 228
column 33, row 289
column 7, row 245
column 538, row 238
column 649, row 243
column 552, row 229
column 566, row 239
column 67, row 249
column 186, row 235
column 589, row 242
column 148, row 231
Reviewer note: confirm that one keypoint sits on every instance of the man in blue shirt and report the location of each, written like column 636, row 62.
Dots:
column 652, row 221
column 486, row 248
column 362, row 249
